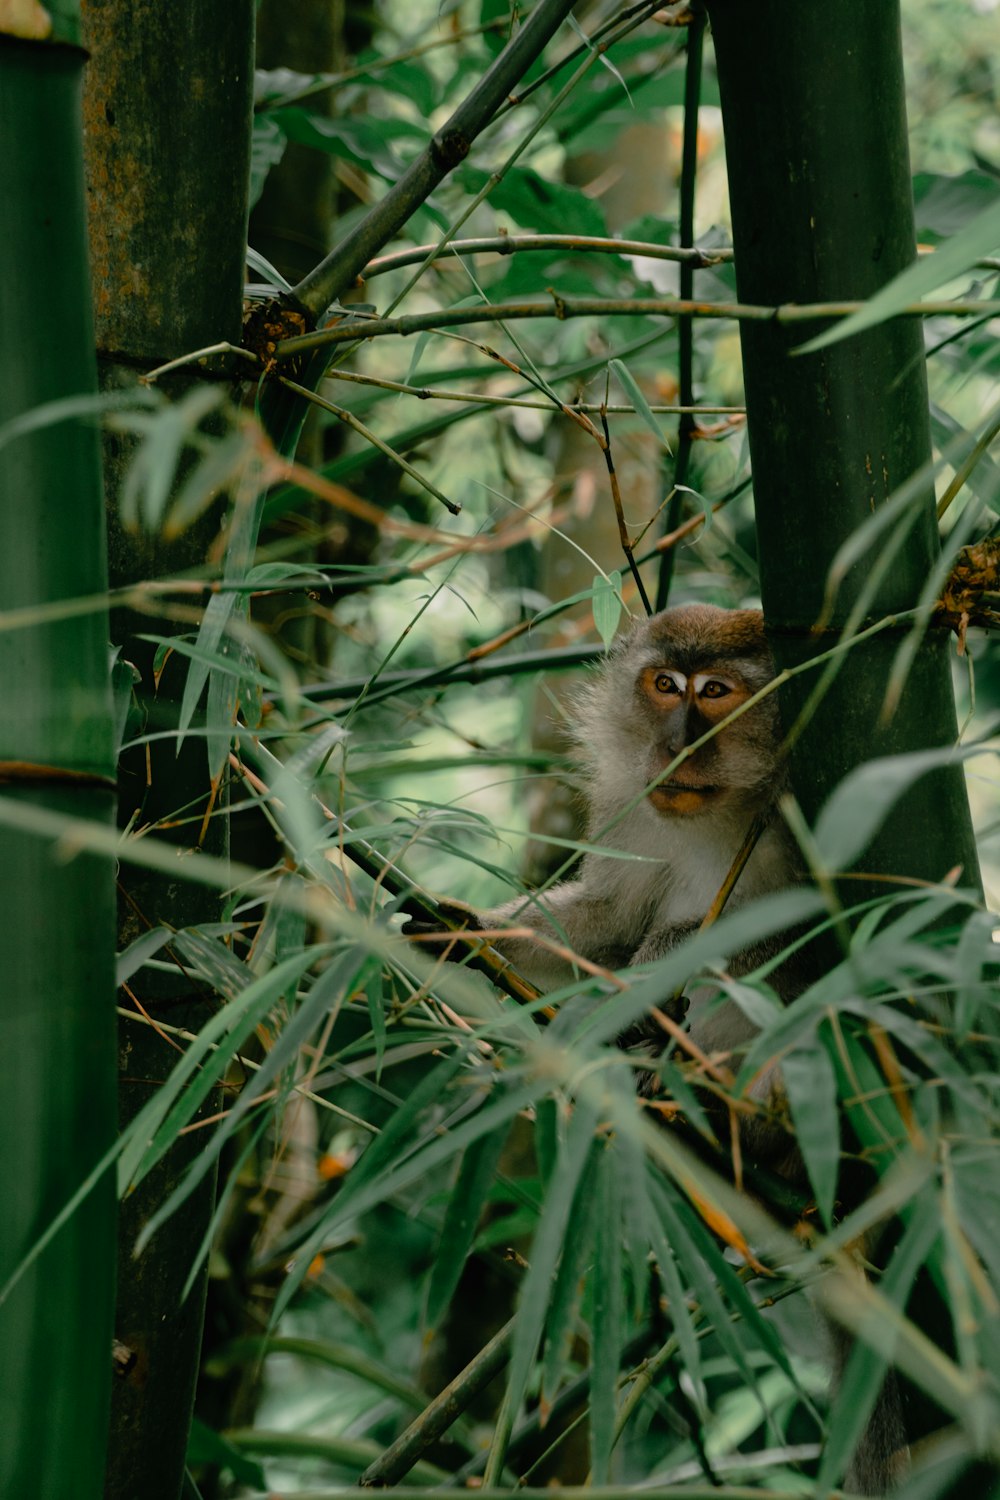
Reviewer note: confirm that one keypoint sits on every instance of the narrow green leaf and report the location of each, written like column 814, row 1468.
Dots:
column 475, row 1179
column 376, row 1014
column 561, row 1324
column 132, row 958
column 328, row 990
column 434, row 1149
column 678, row 1308
column 608, row 1316
column 856, row 809
column 980, row 237
column 154, row 1128
column 607, row 605
column 547, row 1245
column 811, row 1085
column 258, row 262
column 634, row 392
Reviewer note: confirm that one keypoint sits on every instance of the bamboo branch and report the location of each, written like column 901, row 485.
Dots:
column 560, row 307
column 447, row 1406
column 449, row 146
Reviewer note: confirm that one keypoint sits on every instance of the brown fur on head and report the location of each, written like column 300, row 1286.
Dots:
column 669, row 682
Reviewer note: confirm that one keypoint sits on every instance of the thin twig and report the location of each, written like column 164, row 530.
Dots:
column 511, row 244
column 623, row 535
column 685, row 325
column 350, row 420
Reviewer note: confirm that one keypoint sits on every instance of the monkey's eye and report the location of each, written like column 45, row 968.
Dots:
column 715, row 689
column 664, row 683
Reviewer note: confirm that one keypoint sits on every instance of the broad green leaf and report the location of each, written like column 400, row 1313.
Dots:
column 538, row 203
column 979, row 237
column 472, row 1187
column 635, row 394
column 207, row 1447
column 811, row 1085
column 267, row 147
column 945, row 202
column 607, row 605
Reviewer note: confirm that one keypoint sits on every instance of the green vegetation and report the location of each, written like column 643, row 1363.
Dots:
column 360, row 554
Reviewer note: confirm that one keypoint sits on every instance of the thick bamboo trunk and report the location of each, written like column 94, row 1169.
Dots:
column 815, row 122
column 167, row 114
column 57, row 1059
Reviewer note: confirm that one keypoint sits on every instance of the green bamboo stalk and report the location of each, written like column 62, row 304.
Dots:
column 57, row 1040
column 815, row 122
column 167, row 114
column 834, row 434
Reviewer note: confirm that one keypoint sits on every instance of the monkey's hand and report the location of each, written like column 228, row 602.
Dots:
column 450, row 917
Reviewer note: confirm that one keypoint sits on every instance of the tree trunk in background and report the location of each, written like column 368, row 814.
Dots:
column 57, row 1070
column 815, row 124
column 581, row 471
column 168, row 114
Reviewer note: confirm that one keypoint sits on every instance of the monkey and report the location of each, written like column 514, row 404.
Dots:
column 664, row 686
column 661, row 784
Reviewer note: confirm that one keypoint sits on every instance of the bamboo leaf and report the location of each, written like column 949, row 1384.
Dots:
column 811, row 1085
column 608, row 1315
column 154, row 1128
column 677, row 1301
column 475, row 1179
column 856, row 809
column 564, row 1308
column 635, row 395
column 980, row 237
column 132, row 958
column 607, row 605
column 550, row 1240
column 434, row 1149
column 327, row 991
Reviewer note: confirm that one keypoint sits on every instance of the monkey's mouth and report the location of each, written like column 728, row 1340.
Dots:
column 683, row 796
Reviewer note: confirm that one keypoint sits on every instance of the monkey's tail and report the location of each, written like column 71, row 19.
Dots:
column 880, row 1457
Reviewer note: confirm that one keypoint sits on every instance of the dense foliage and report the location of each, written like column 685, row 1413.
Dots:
column 423, row 1175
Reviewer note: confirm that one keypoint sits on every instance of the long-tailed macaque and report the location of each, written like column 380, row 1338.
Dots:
column 661, row 689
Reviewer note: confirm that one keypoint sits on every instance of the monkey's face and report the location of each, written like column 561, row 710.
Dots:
column 696, row 669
